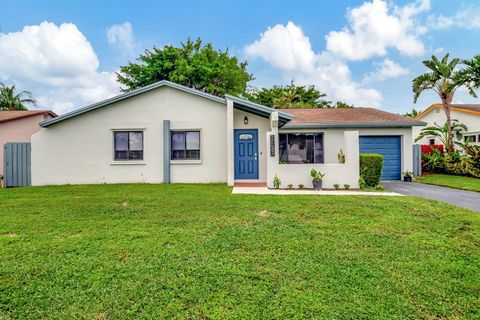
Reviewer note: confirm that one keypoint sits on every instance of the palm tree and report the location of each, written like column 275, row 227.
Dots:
column 472, row 71
column 289, row 99
column 444, row 79
column 443, row 133
column 10, row 100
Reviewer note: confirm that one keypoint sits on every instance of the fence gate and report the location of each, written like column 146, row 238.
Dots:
column 417, row 160
column 16, row 164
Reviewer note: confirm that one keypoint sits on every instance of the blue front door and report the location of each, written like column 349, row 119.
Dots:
column 246, row 154
column 389, row 148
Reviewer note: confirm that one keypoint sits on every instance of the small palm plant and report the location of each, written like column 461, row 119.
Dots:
column 442, row 132
column 10, row 100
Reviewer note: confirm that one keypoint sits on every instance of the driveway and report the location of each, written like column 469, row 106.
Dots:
column 465, row 199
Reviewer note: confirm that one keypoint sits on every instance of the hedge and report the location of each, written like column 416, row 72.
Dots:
column 371, row 169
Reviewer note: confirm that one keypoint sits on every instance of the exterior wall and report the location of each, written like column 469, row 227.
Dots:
column 334, row 141
column 80, row 150
column 438, row 116
column 335, row 173
column 263, row 126
column 20, row 130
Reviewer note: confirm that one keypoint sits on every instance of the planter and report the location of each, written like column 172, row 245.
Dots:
column 317, row 185
column 407, row 179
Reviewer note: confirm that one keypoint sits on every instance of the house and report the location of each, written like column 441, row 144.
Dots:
column 168, row 133
column 18, row 126
column 467, row 114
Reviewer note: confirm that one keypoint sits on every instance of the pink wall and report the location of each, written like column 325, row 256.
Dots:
column 19, row 130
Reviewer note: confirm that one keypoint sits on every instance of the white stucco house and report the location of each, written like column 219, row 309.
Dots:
column 468, row 114
column 168, row 133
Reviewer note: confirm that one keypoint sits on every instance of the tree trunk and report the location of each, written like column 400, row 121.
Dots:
column 450, row 136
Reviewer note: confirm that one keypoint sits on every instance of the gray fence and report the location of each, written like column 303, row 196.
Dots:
column 16, row 164
column 417, row 160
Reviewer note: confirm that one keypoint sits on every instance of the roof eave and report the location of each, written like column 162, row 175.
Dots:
column 129, row 95
column 353, row 125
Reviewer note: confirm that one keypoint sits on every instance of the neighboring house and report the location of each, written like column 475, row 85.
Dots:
column 168, row 133
column 467, row 114
column 18, row 126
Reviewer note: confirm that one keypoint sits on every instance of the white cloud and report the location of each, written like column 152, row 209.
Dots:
column 289, row 49
column 285, row 47
column 386, row 70
column 122, row 35
column 375, row 27
column 56, row 63
column 468, row 18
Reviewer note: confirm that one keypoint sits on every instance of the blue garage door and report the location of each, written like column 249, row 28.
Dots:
column 387, row 146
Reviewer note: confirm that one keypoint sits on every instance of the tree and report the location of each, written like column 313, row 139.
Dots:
column 10, row 100
column 411, row 114
column 292, row 96
column 444, row 79
column 192, row 64
column 472, row 71
column 443, row 133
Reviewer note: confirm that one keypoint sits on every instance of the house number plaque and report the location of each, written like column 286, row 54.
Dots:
column 272, row 146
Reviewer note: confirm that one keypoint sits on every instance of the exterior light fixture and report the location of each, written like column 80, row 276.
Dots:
column 245, row 120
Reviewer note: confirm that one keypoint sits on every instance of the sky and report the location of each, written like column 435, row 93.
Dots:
column 361, row 52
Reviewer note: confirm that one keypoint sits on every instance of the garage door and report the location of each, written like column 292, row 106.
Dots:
column 387, row 146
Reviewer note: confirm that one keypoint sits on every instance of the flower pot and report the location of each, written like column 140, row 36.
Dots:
column 317, row 185
column 407, row 179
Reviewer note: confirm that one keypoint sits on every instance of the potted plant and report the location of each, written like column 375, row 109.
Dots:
column 408, row 176
column 317, row 178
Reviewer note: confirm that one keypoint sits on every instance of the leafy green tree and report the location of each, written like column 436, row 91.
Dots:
column 444, row 78
column 11, row 100
column 192, row 64
column 411, row 114
column 443, row 133
column 292, row 96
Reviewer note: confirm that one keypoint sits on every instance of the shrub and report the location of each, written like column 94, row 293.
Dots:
column 346, row 186
column 371, row 168
column 379, row 187
column 336, row 186
column 276, row 182
column 301, row 186
column 290, row 186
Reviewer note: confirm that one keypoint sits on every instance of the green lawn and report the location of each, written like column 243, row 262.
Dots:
column 456, row 182
column 199, row 252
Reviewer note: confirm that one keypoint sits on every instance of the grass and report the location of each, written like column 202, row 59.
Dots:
column 199, row 252
column 456, row 182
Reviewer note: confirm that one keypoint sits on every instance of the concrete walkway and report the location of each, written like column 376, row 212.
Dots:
column 464, row 199
column 263, row 190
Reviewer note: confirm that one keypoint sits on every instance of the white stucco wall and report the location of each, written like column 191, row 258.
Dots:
column 263, row 126
column 335, row 173
column 437, row 115
column 80, row 150
column 334, row 141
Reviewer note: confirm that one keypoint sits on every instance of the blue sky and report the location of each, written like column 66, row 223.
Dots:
column 362, row 52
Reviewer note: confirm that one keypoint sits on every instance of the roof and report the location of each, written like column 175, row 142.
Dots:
column 466, row 108
column 258, row 109
column 239, row 103
column 15, row 115
column 347, row 117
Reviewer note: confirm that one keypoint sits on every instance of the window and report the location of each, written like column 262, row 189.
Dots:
column 301, row 147
column 128, row 145
column 185, row 145
column 431, row 141
column 472, row 138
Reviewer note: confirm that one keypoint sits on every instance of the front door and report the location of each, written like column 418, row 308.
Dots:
column 246, row 154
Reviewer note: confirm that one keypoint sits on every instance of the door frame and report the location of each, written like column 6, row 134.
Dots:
column 235, row 141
